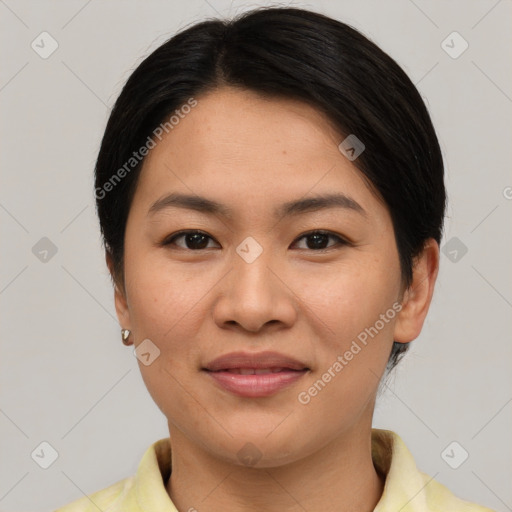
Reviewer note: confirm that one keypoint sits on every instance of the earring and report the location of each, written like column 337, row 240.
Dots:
column 125, row 334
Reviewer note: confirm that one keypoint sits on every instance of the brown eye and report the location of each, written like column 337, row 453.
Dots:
column 193, row 240
column 319, row 240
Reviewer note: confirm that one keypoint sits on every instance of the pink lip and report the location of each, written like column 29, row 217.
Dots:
column 256, row 385
column 265, row 359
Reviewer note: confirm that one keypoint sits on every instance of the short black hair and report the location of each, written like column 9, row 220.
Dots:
column 285, row 53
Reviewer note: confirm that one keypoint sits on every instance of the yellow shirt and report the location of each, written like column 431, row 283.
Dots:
column 406, row 489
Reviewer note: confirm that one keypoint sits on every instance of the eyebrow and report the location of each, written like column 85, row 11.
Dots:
column 297, row 207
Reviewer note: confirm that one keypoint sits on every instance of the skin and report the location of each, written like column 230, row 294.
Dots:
column 252, row 154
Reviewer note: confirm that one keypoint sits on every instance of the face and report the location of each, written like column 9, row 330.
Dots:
column 317, row 282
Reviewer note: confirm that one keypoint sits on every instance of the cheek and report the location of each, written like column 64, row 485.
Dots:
column 352, row 352
column 354, row 317
column 164, row 299
column 348, row 298
column 165, row 310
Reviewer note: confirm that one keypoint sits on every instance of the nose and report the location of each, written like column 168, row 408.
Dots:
column 255, row 296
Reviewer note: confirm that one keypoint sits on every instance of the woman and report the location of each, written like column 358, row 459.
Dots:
column 270, row 192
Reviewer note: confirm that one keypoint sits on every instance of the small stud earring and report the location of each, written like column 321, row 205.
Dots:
column 125, row 334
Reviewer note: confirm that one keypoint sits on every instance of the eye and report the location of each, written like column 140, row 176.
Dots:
column 194, row 240
column 318, row 239
column 198, row 240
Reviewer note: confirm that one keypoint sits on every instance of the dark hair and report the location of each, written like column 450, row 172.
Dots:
column 287, row 53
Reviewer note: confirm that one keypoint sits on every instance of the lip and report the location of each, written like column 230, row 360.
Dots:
column 287, row 371
column 255, row 386
column 255, row 360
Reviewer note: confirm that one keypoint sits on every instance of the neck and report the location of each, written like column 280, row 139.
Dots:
column 340, row 476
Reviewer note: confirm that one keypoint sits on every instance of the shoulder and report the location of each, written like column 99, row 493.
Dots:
column 406, row 488
column 145, row 487
column 439, row 498
column 104, row 499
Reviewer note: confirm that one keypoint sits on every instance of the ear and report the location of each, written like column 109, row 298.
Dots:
column 417, row 297
column 122, row 310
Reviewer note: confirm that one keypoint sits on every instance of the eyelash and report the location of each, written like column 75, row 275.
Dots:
column 341, row 241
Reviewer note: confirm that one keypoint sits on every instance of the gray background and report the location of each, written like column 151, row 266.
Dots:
column 65, row 376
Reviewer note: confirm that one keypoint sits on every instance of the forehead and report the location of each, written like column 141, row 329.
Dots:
column 237, row 122
column 237, row 144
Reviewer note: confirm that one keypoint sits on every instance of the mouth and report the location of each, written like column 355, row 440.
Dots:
column 267, row 360
column 254, row 371
column 253, row 375
column 255, row 382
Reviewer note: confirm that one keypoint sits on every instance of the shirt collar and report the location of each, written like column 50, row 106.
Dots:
column 404, row 488
column 151, row 478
